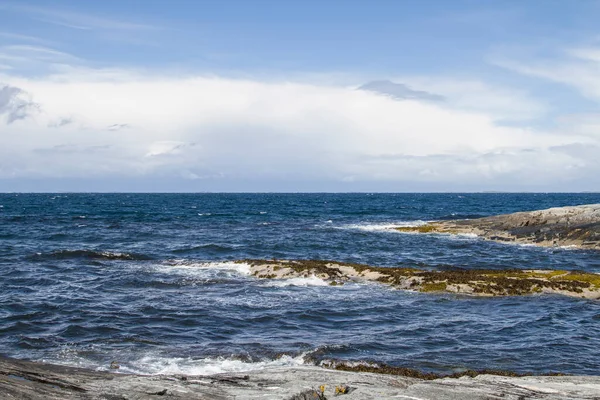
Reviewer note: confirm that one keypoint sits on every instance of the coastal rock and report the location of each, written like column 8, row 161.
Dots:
column 29, row 380
column 576, row 226
column 477, row 282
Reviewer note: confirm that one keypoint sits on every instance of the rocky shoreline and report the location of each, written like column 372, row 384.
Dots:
column 30, row 380
column 576, row 226
column 472, row 282
column 567, row 226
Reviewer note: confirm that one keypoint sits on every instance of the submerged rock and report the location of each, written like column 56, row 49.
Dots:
column 479, row 282
column 576, row 226
column 29, row 380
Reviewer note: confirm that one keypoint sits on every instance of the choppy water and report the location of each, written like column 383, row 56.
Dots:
column 144, row 279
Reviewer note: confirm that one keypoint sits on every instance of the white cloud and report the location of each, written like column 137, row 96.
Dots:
column 500, row 102
column 74, row 20
column 10, row 36
column 216, row 128
column 33, row 57
column 578, row 68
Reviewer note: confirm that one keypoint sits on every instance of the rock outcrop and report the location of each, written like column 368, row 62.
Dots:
column 453, row 280
column 577, row 226
column 29, row 380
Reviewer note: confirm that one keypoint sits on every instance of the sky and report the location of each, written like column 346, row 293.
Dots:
column 299, row 96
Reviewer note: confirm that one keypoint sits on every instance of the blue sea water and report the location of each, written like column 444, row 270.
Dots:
column 147, row 280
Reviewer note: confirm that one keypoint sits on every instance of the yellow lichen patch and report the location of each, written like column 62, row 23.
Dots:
column 429, row 228
column 592, row 279
column 545, row 274
column 420, row 229
column 478, row 282
column 523, row 274
column 434, row 287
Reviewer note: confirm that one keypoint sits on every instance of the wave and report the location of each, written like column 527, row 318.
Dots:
column 87, row 255
column 156, row 365
column 383, row 226
column 309, row 281
column 201, row 268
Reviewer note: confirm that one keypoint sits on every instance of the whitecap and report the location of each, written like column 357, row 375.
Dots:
column 300, row 281
column 203, row 268
column 383, row 226
column 568, row 247
column 466, row 235
column 156, row 365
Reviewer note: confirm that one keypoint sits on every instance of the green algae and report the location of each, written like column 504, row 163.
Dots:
column 414, row 373
column 434, row 287
column 428, row 228
column 512, row 282
column 420, row 229
column 575, row 276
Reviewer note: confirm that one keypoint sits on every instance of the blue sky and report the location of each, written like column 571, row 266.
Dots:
column 299, row 95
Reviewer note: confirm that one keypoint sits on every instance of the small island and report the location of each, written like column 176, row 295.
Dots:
column 476, row 282
column 576, row 226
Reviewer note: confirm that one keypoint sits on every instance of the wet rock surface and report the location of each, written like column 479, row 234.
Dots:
column 577, row 226
column 28, row 380
column 482, row 282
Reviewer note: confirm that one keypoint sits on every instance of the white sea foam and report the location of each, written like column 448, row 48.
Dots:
column 195, row 268
column 382, row 227
column 309, row 281
column 567, row 247
column 155, row 365
column 468, row 235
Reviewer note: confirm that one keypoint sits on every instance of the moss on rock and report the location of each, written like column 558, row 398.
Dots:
column 511, row 282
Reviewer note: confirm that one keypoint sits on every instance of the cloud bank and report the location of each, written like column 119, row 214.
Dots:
column 128, row 125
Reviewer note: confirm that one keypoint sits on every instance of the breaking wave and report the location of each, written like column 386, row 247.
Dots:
column 385, row 226
column 203, row 268
column 156, row 365
column 309, row 281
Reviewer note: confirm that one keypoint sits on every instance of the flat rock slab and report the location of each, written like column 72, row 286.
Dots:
column 28, row 380
column 472, row 282
column 575, row 226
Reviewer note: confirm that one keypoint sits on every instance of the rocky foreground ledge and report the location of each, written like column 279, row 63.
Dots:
column 477, row 282
column 28, row 380
column 577, row 226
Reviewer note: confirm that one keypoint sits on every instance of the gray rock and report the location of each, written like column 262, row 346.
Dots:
column 29, row 380
column 577, row 226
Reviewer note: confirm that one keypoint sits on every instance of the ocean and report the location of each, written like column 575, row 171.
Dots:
column 147, row 280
